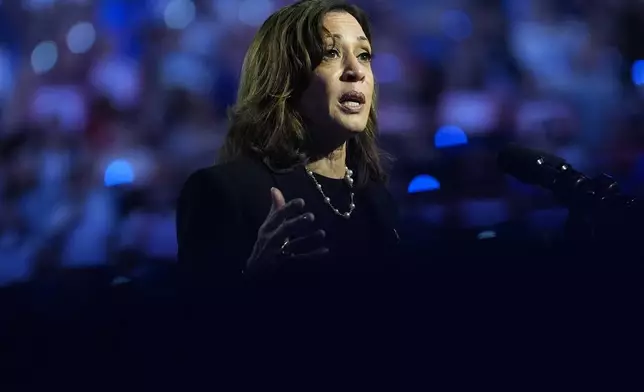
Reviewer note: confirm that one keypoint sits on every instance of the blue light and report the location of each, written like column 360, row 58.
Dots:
column 423, row 183
column 449, row 136
column 119, row 172
column 485, row 235
column 637, row 73
column 113, row 14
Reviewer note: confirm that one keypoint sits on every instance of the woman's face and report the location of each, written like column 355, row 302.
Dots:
column 339, row 97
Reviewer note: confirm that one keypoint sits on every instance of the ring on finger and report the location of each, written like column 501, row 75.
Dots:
column 284, row 248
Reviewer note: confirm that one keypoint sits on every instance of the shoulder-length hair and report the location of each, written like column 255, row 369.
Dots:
column 278, row 67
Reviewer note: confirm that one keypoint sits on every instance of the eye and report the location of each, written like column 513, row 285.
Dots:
column 331, row 54
column 365, row 56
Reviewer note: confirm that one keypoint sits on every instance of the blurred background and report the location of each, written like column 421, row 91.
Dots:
column 106, row 106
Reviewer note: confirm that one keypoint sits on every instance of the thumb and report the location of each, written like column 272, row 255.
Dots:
column 278, row 200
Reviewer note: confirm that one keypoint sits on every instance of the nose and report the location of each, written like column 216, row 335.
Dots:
column 353, row 71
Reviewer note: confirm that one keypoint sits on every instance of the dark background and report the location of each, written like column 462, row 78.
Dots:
column 107, row 106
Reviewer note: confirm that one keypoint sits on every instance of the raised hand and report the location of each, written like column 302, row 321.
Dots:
column 285, row 235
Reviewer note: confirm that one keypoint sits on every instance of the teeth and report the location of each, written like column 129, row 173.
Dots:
column 351, row 104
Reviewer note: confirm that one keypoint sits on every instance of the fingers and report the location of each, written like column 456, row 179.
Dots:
column 289, row 210
column 277, row 215
column 277, row 198
column 303, row 245
column 293, row 226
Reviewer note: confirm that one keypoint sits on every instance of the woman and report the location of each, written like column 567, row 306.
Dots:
column 300, row 186
column 300, row 191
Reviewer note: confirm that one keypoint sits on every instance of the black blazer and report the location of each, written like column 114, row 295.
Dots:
column 221, row 208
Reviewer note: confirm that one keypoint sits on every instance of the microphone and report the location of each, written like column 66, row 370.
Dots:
column 545, row 170
column 597, row 202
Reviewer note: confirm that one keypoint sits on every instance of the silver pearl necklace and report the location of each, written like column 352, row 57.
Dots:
column 348, row 178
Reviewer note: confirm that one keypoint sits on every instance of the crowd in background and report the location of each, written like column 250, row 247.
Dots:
column 106, row 106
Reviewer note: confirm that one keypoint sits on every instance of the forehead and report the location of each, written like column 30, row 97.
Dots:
column 344, row 26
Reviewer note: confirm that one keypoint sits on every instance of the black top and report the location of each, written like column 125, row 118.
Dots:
column 351, row 241
column 329, row 311
column 222, row 207
column 355, row 247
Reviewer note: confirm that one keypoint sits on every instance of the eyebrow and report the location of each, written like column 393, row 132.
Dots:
column 340, row 37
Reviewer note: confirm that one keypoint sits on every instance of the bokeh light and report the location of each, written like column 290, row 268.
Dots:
column 486, row 235
column 81, row 37
column 423, row 183
column 6, row 77
column 185, row 71
column 118, row 79
column 637, row 73
column 118, row 172
column 179, row 14
column 44, row 57
column 449, row 136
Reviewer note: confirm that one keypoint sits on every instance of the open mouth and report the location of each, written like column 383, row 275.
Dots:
column 352, row 101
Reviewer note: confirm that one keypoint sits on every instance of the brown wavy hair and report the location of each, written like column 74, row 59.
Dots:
column 277, row 69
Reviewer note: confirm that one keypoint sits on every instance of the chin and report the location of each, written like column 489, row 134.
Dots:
column 357, row 129
column 354, row 126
